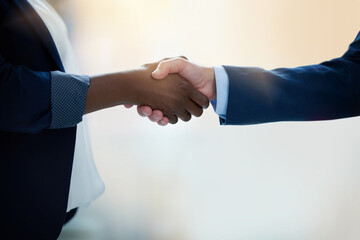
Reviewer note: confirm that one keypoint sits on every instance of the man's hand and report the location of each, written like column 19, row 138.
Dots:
column 202, row 78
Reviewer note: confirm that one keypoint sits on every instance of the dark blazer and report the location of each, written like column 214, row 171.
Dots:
column 35, row 163
column 326, row 91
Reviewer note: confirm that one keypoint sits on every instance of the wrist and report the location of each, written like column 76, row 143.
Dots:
column 210, row 81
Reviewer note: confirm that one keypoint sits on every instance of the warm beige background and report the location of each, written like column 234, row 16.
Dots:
column 199, row 180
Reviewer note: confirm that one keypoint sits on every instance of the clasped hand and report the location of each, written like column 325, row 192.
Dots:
column 183, row 89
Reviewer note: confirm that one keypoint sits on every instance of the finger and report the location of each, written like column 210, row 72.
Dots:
column 173, row 119
column 169, row 66
column 185, row 116
column 161, row 124
column 128, row 106
column 164, row 121
column 153, row 119
column 199, row 98
column 144, row 111
column 193, row 108
column 156, row 116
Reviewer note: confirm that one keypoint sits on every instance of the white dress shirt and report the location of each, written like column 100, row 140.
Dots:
column 86, row 184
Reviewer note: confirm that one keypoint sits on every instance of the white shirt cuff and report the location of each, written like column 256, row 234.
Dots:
column 222, row 91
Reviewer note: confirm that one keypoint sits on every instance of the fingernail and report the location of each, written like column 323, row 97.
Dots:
column 155, row 72
column 145, row 114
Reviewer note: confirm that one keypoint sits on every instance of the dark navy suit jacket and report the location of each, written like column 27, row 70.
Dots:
column 35, row 163
column 326, row 91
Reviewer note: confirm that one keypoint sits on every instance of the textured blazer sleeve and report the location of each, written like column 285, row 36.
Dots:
column 32, row 101
column 326, row 91
column 34, row 92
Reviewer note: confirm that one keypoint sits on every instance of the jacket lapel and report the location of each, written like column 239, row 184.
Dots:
column 41, row 30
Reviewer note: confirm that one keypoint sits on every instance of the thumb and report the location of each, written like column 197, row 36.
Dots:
column 175, row 65
column 161, row 71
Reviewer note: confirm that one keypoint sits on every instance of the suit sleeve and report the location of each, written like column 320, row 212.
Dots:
column 32, row 101
column 329, row 90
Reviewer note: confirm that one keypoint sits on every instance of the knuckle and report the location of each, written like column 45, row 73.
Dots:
column 162, row 64
column 180, row 60
column 184, row 86
column 179, row 102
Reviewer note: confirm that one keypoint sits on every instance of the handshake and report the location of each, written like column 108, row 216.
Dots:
column 196, row 89
column 164, row 92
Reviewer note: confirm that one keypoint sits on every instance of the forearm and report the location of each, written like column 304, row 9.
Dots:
column 318, row 92
column 110, row 90
column 62, row 99
column 329, row 90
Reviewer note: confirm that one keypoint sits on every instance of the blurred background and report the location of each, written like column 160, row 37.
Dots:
column 199, row 180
